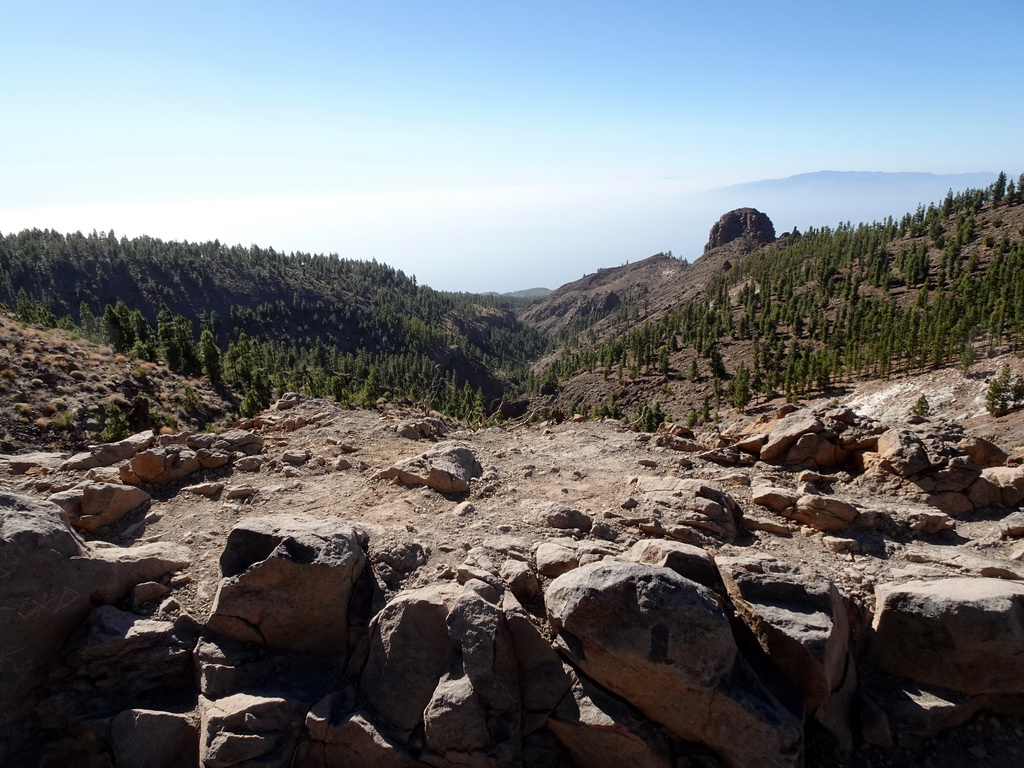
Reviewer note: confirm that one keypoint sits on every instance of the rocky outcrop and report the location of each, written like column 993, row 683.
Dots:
column 747, row 225
column 448, row 468
column 106, row 454
column 90, row 506
column 161, row 465
column 50, row 580
column 799, row 619
column 663, row 643
column 305, row 568
column 684, row 509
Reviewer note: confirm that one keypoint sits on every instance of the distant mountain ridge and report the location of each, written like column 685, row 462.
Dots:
column 875, row 179
column 825, row 198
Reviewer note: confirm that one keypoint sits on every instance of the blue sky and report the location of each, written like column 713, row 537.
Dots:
column 482, row 145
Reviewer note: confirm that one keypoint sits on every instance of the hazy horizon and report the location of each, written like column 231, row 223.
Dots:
column 486, row 146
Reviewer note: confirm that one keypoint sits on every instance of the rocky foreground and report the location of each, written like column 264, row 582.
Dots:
column 321, row 587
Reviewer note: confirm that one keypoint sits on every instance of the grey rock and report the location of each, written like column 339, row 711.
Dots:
column 447, row 468
column 287, row 581
column 959, row 633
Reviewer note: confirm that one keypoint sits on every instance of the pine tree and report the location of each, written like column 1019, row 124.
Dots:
column 209, row 354
column 999, row 394
column 922, row 407
column 115, row 425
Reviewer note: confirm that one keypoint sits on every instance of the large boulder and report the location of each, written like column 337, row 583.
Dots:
column 409, row 651
column 1009, row 481
column 798, row 617
column 762, row 492
column 788, row 431
column 902, row 453
column 161, row 465
column 90, row 506
column 984, row 452
column 823, row 513
column 662, row 643
column 447, row 468
column 286, row 582
column 674, row 506
column 962, row 633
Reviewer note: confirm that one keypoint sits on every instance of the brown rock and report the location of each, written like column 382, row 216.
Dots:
column 983, row 493
column 90, row 506
column 520, row 579
column 1012, row 526
column 1009, row 480
column 772, row 497
column 901, row 453
column 824, row 513
column 663, row 644
column 162, row 465
column 986, row 453
column 110, row 453
column 204, row 489
column 788, row 431
column 554, row 559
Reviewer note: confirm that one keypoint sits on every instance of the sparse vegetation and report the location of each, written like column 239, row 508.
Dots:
column 115, row 425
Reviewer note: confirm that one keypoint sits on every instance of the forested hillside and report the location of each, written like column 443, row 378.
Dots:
column 941, row 286
column 261, row 320
column 937, row 287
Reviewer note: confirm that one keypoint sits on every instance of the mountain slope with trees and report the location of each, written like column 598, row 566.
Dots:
column 647, row 341
column 260, row 320
column 937, row 287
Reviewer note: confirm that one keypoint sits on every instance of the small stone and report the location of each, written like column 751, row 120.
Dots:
column 205, row 488
column 168, row 606
column 295, row 456
column 464, row 509
column 147, row 591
